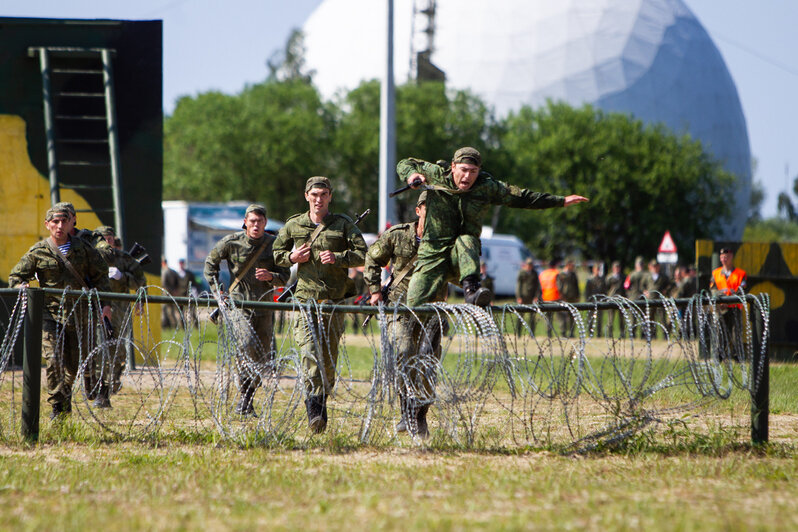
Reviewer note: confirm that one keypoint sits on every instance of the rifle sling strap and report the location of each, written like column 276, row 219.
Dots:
column 66, row 262
column 248, row 265
column 404, row 272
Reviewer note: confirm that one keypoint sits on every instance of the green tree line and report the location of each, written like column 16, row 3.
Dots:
column 263, row 143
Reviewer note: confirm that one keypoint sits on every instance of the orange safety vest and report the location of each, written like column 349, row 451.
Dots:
column 548, row 284
column 731, row 285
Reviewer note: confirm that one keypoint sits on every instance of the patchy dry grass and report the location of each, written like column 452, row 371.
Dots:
column 694, row 471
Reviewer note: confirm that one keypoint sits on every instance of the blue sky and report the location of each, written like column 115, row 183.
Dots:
column 212, row 45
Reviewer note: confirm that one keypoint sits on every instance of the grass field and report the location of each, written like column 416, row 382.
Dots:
column 694, row 473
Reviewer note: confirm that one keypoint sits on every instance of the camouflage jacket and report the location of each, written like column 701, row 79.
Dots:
column 451, row 212
column 568, row 285
column 655, row 287
column 595, row 286
column 527, row 286
column 638, row 280
column 316, row 280
column 41, row 263
column 237, row 249
column 98, row 242
column 398, row 245
column 615, row 285
column 132, row 273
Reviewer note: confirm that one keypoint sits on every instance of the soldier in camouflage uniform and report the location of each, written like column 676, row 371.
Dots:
column 656, row 285
column 257, row 283
column 62, row 329
column 416, row 361
column 527, row 291
column 124, row 274
column 322, row 276
column 568, row 286
column 458, row 201
column 615, row 282
column 595, row 288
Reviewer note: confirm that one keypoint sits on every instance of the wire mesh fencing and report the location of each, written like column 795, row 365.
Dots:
column 564, row 376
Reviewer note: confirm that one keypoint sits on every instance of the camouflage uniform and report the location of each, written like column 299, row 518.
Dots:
column 595, row 287
column 417, row 356
column 568, row 286
column 63, row 329
column 322, row 283
column 527, row 289
column 454, row 223
column 237, row 249
column 132, row 279
column 615, row 288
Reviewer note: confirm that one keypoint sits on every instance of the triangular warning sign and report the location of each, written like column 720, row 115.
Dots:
column 667, row 245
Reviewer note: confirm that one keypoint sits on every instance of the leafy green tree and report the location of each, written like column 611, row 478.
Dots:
column 641, row 180
column 260, row 145
column 771, row 230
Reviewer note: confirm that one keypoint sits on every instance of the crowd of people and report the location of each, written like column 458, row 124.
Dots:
column 441, row 246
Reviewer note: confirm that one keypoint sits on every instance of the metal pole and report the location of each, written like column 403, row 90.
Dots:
column 760, row 372
column 52, row 163
column 113, row 145
column 32, row 365
column 387, row 130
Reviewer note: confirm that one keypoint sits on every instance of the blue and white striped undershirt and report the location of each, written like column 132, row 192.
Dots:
column 64, row 249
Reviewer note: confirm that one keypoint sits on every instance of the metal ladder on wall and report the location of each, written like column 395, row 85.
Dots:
column 81, row 127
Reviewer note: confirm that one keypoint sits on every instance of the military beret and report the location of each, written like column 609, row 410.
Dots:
column 256, row 208
column 724, row 251
column 318, row 182
column 59, row 208
column 467, row 155
column 422, row 199
column 106, row 230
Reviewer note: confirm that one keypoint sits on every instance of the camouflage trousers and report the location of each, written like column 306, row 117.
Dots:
column 317, row 335
column 251, row 335
column 61, row 350
column 438, row 264
column 417, row 347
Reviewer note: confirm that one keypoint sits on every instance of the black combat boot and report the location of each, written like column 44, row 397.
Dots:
column 403, row 407
column 474, row 294
column 61, row 410
column 316, row 406
column 102, row 400
column 244, row 406
column 421, row 428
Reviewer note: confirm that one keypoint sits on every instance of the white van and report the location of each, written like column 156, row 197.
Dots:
column 503, row 254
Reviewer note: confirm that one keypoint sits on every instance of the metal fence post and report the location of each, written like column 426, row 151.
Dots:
column 32, row 365
column 760, row 372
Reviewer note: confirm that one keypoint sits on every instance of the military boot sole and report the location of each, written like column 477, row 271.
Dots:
column 480, row 298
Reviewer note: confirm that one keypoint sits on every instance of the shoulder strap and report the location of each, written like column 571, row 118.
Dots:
column 66, row 262
column 249, row 264
column 405, row 271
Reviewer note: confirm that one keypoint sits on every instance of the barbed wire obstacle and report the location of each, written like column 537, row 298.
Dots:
column 500, row 377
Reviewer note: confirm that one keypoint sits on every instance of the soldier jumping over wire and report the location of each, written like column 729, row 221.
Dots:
column 457, row 201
